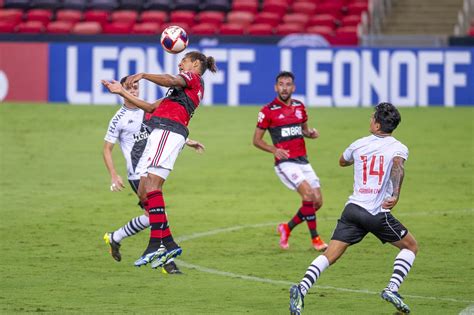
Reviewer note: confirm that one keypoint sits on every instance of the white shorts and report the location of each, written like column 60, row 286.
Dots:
column 160, row 154
column 293, row 174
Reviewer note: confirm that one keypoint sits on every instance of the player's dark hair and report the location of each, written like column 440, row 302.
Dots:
column 207, row 63
column 122, row 80
column 285, row 74
column 387, row 116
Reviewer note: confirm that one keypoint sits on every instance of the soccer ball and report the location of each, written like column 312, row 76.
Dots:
column 174, row 39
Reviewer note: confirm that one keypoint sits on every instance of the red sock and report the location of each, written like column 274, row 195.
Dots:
column 309, row 213
column 157, row 215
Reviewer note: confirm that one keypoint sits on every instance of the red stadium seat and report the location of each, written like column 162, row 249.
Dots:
column 146, row 28
column 356, row 8
column 325, row 31
column 204, row 29
column 129, row 16
column 210, row 17
column 183, row 25
column 240, row 17
column 286, row 29
column 69, row 15
column 7, row 26
column 100, row 16
column 323, row 20
column 42, row 15
column 296, row 18
column 33, row 27
column 182, row 16
column 117, row 28
column 14, row 15
column 351, row 20
column 245, row 5
column 308, row 8
column 346, row 35
column 270, row 18
column 333, row 7
column 155, row 16
column 276, row 6
column 232, row 29
column 87, row 28
column 471, row 31
column 59, row 27
column 260, row 29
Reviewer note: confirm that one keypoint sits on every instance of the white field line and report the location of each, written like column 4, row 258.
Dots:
column 288, row 283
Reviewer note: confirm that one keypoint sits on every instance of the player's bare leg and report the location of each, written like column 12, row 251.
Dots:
column 310, row 194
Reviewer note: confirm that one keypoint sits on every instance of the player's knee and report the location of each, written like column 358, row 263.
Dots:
column 318, row 203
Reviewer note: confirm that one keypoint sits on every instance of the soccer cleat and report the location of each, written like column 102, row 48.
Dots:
column 167, row 255
column 149, row 257
column 296, row 300
column 284, row 231
column 114, row 246
column 396, row 300
column 171, row 269
column 319, row 244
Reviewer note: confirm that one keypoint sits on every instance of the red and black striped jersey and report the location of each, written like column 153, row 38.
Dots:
column 285, row 125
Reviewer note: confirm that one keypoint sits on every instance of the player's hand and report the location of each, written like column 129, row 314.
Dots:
column 389, row 203
column 116, row 184
column 196, row 145
column 113, row 86
column 133, row 78
column 281, row 154
column 312, row 133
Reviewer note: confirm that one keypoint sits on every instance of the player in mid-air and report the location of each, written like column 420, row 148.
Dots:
column 378, row 162
column 286, row 120
column 127, row 128
column 169, row 132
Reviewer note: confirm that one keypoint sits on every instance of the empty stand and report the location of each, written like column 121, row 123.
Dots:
column 46, row 4
column 157, row 5
column 42, row 15
column 74, row 4
column 270, row 18
column 59, row 27
column 128, row 16
column 103, row 4
column 155, row 16
column 7, row 26
column 240, row 17
column 210, row 17
column 69, row 15
column 32, row 27
column 286, row 29
column 183, row 16
column 192, row 5
column 260, row 29
column 204, row 29
column 101, row 16
column 144, row 28
column 245, row 5
column 232, row 29
column 11, row 15
column 87, row 28
column 117, row 28
column 131, row 4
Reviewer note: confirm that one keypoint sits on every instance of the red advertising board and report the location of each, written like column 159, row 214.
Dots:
column 24, row 72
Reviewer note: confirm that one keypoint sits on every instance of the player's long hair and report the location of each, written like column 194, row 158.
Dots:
column 207, row 63
column 387, row 116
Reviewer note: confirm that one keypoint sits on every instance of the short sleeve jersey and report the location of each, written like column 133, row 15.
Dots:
column 180, row 103
column 285, row 125
column 373, row 160
column 128, row 129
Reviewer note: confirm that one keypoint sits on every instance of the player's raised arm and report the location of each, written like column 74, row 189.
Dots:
column 396, row 177
column 117, row 88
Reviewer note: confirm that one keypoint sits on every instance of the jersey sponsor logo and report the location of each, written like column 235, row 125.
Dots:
column 140, row 136
column 291, row 131
column 116, row 120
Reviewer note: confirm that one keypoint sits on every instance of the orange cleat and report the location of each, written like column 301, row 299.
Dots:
column 319, row 244
column 284, row 231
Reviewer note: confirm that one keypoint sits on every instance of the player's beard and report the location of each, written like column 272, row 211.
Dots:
column 284, row 99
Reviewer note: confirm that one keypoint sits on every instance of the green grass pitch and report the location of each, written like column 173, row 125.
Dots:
column 55, row 206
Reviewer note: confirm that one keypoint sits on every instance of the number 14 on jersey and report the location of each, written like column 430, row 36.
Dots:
column 372, row 170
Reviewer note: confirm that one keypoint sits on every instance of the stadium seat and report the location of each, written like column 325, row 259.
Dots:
column 101, row 16
column 131, row 5
column 351, row 20
column 286, row 29
column 325, row 31
column 240, row 17
column 46, row 4
column 296, row 18
column 356, row 8
column 155, row 16
column 7, row 26
column 215, row 5
column 260, row 29
column 210, row 17
column 308, row 8
column 117, row 28
column 59, row 27
column 42, row 15
column 32, row 27
column 19, row 4
column 13, row 15
column 333, row 7
column 157, row 5
column 87, row 28
column 270, row 18
column 346, row 35
column 205, row 29
column 146, row 28
column 192, row 5
column 323, row 20
column 275, row 6
column 74, row 4
column 183, row 25
column 108, row 5
column 69, row 15
column 232, row 29
column 471, row 31
column 182, row 16
column 129, row 16
column 245, row 5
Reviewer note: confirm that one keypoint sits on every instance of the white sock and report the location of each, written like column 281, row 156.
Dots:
column 134, row 226
column 313, row 273
column 401, row 267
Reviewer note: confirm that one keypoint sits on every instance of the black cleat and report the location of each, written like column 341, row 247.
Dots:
column 114, row 246
column 171, row 269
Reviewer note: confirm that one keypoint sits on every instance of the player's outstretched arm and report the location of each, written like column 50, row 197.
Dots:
column 196, row 145
column 116, row 88
column 116, row 182
column 166, row 80
column 396, row 177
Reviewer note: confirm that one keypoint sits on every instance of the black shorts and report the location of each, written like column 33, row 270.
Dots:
column 134, row 183
column 356, row 222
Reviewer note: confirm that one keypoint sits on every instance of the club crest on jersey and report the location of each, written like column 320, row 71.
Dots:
column 291, row 131
column 299, row 114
